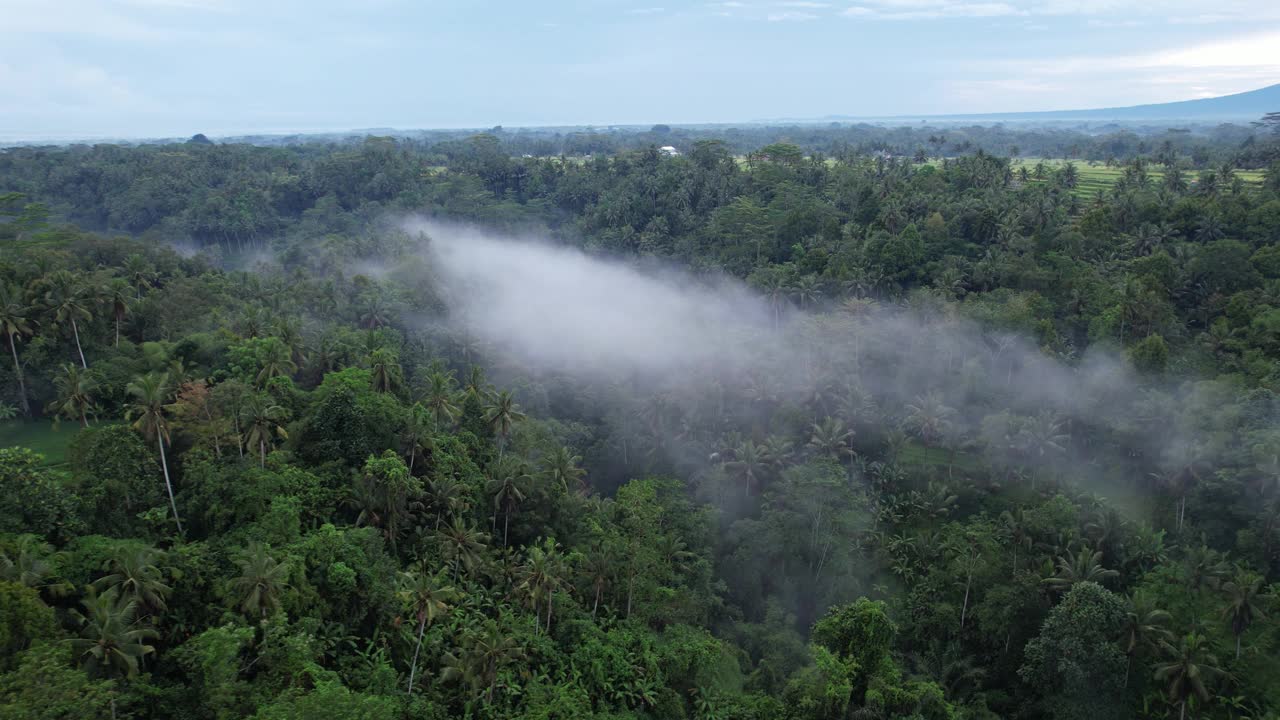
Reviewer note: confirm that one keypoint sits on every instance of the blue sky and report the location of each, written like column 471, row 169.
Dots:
column 145, row 68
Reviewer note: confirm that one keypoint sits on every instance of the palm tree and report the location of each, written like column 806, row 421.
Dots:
column 261, row 582
column 277, row 362
column 262, row 421
column 418, row 436
column 1188, row 672
column 428, row 598
column 502, row 414
column 749, row 463
column 117, row 294
column 484, row 655
column 111, row 643
column 807, row 290
column 504, row 486
column 1144, row 629
column 150, row 393
column 831, row 438
column 74, row 399
column 561, row 468
column 461, row 545
column 384, row 367
column 29, row 562
column 540, row 577
column 929, row 417
column 1082, row 567
column 775, row 292
column 1244, row 605
column 449, row 497
column 14, row 323
column 1015, row 528
column 598, row 569
column 135, row 574
column 138, row 273
column 439, row 398
column 68, row 299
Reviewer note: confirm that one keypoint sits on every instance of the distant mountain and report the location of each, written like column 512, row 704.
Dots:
column 1241, row 107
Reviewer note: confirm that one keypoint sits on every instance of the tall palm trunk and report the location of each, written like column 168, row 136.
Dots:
column 117, row 329
column 413, row 666
column 75, row 330
column 262, row 454
column 164, row 464
column 22, row 383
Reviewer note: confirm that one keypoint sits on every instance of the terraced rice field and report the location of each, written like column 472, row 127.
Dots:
column 1100, row 177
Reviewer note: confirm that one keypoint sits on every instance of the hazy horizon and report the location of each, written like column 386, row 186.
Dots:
column 172, row 68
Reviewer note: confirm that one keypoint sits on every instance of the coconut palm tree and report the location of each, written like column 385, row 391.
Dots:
column 1144, row 629
column 150, row 394
column 541, row 577
column 1188, row 672
column 598, row 569
column 929, row 417
column 1244, row 602
column 439, row 398
column 749, row 464
column 1016, row 530
column 262, row 581
column 277, row 362
column 111, row 642
column 29, row 561
column 1084, row 566
column 502, row 414
column 427, row 597
column 15, row 322
column 462, row 545
column 74, row 400
column 807, row 291
column 504, row 486
column 483, row 656
column 135, row 573
column 418, row 435
column 118, row 295
column 67, row 297
column 561, row 469
column 138, row 273
column 262, row 421
column 385, row 370
column 831, row 438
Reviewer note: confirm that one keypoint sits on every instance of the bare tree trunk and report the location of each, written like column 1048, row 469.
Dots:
column 164, row 463
column 413, row 667
column 596, row 605
column 76, row 331
column 262, row 454
column 22, row 383
column 117, row 330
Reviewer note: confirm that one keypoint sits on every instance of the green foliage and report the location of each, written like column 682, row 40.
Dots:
column 45, row 686
column 33, row 499
column 1075, row 661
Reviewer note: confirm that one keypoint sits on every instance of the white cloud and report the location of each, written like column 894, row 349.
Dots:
column 646, row 11
column 1216, row 67
column 931, row 9
column 1120, row 11
column 791, row 16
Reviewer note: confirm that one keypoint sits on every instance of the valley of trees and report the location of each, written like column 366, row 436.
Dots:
column 291, row 493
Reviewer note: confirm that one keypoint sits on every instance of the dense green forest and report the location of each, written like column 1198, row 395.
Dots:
column 992, row 447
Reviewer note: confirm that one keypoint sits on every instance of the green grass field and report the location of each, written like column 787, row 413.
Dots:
column 913, row 453
column 40, row 437
column 1100, row 177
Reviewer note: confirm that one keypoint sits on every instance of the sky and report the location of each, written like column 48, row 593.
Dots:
column 172, row 68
